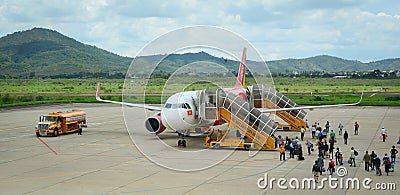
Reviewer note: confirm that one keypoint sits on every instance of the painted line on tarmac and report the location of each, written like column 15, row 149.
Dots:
column 44, row 143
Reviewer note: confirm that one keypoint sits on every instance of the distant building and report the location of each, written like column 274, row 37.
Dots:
column 339, row 77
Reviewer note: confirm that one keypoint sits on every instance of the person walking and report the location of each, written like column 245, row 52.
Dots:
column 282, row 152
column 291, row 150
column 345, row 137
column 367, row 160
column 383, row 134
column 302, row 131
column 331, row 166
column 320, row 164
column 332, row 135
column 313, row 130
column 353, row 157
column 327, row 125
column 377, row 164
column 80, row 125
column 356, row 126
column 340, row 128
column 307, row 125
column 315, row 169
column 300, row 153
column 331, row 147
column 309, row 146
column 372, row 155
column 393, row 153
column 386, row 163
column 337, row 157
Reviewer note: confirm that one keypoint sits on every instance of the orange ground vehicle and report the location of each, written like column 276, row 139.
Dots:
column 56, row 123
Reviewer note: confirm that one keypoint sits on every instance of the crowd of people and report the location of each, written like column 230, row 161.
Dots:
column 325, row 140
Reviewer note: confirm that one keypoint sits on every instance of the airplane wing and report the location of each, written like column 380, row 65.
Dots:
column 269, row 110
column 98, row 98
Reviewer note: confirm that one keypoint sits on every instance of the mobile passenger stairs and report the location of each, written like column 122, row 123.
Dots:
column 254, row 130
column 267, row 97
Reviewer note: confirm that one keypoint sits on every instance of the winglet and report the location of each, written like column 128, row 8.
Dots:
column 242, row 71
column 98, row 92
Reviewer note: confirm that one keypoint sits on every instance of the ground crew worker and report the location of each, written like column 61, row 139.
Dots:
column 80, row 129
column 282, row 152
column 302, row 131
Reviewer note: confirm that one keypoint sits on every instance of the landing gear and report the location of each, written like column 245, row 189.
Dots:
column 181, row 141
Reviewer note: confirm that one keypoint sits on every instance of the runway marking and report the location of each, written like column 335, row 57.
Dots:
column 51, row 149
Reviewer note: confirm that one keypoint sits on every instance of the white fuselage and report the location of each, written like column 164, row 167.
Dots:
column 180, row 111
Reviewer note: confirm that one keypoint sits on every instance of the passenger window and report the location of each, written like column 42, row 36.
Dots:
column 168, row 105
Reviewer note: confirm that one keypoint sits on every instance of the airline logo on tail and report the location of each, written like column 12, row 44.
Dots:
column 242, row 71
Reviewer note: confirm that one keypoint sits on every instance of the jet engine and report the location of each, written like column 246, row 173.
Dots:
column 154, row 124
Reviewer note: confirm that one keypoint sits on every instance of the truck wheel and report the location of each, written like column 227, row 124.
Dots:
column 37, row 135
column 217, row 146
column 55, row 134
column 247, row 147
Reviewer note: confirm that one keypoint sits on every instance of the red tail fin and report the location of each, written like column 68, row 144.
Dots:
column 242, row 71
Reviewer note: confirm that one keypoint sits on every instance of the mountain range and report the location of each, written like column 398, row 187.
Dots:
column 40, row 52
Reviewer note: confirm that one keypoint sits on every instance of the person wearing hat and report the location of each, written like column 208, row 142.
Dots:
column 383, row 134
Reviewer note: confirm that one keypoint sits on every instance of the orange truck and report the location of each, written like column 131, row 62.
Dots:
column 56, row 123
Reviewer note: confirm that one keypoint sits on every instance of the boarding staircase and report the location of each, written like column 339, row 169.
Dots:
column 215, row 104
column 267, row 97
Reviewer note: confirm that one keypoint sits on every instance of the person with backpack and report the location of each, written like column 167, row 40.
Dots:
column 386, row 163
column 331, row 166
column 315, row 170
column 377, row 164
column 393, row 153
column 353, row 154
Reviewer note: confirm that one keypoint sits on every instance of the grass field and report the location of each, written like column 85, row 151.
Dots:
column 38, row 91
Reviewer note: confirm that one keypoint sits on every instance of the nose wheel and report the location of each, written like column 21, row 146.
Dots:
column 181, row 141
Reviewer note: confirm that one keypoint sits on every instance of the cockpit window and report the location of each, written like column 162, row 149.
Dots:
column 187, row 106
column 179, row 105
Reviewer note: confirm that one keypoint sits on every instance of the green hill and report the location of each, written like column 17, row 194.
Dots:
column 47, row 53
column 43, row 53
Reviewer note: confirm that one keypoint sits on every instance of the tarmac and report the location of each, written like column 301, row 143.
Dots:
column 106, row 160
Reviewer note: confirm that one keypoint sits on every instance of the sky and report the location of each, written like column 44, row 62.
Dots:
column 364, row 30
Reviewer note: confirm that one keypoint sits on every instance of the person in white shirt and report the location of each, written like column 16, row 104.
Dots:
column 383, row 134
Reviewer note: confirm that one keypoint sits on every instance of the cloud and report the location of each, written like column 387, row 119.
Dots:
column 353, row 29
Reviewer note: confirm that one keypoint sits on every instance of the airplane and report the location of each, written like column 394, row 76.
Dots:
column 180, row 112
